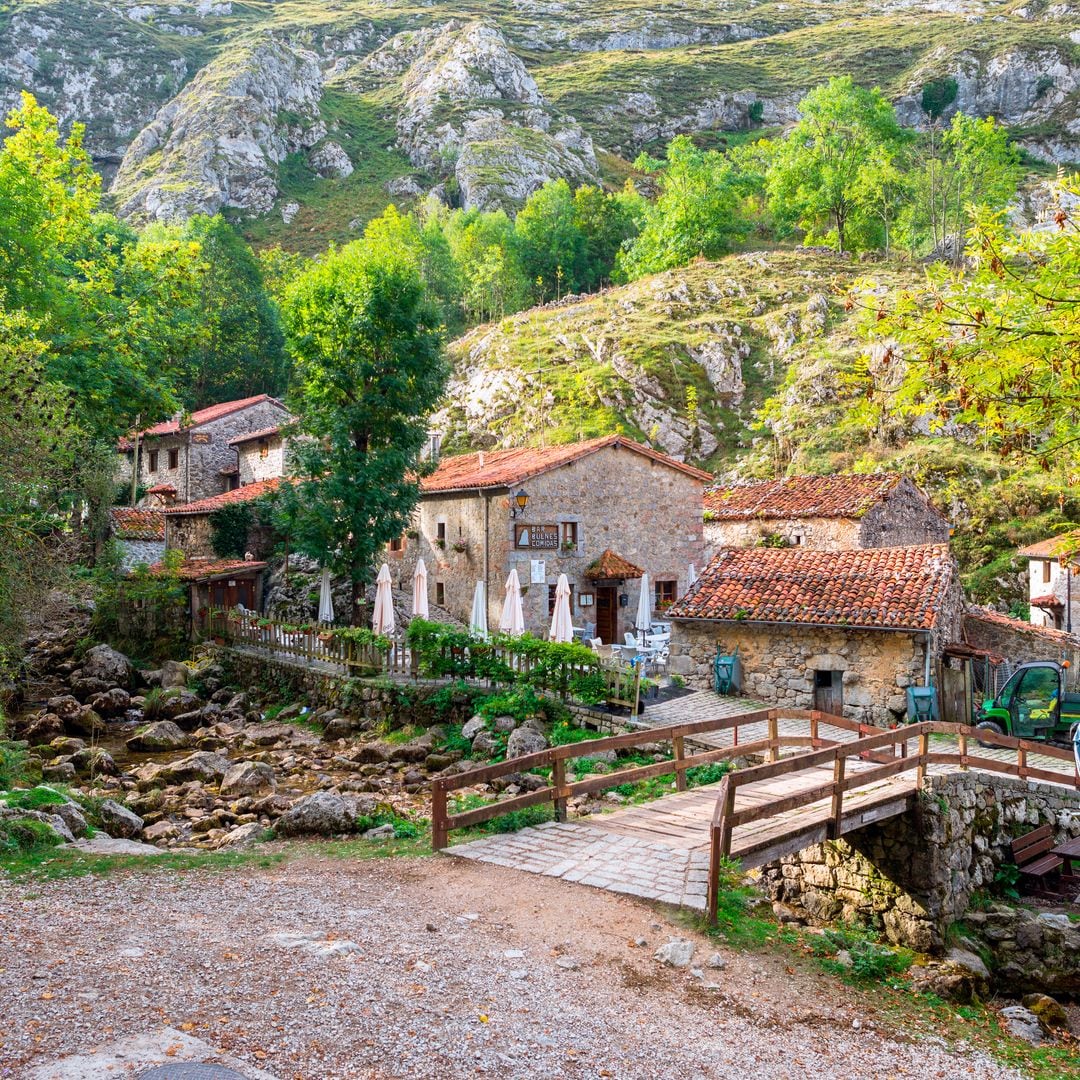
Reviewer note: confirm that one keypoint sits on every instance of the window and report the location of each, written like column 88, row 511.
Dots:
column 174, row 458
column 264, row 450
column 665, row 594
column 551, row 599
column 440, row 533
column 545, row 537
column 1046, row 571
column 440, row 594
column 569, row 535
column 153, row 461
column 397, row 544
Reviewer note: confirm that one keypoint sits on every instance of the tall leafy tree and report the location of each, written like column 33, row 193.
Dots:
column 550, row 244
column 990, row 349
column 607, row 221
column 817, row 179
column 368, row 371
column 700, row 210
column 241, row 351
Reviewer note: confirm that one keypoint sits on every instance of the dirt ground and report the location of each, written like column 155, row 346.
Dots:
column 318, row 969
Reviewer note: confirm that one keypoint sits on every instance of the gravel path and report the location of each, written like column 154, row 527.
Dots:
column 320, row 969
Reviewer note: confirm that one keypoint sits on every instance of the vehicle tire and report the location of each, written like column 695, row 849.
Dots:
column 988, row 725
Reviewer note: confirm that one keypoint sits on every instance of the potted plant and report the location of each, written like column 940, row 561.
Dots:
column 460, row 546
column 569, row 547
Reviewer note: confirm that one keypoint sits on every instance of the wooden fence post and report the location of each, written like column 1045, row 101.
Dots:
column 924, row 750
column 680, row 769
column 558, row 782
column 963, row 748
column 439, row 830
column 774, row 752
column 839, row 766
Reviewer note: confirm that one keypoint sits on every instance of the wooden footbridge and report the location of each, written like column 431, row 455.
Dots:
column 821, row 777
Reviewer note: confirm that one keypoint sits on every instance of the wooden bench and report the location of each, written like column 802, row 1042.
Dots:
column 1034, row 861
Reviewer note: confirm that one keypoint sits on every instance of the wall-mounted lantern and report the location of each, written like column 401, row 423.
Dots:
column 521, row 501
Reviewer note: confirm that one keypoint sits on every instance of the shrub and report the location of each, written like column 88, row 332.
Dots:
column 870, row 959
column 20, row 836
column 13, row 761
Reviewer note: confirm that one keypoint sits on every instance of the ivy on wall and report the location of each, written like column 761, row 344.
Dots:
column 229, row 529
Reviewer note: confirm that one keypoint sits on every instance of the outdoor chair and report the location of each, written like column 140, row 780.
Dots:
column 629, row 640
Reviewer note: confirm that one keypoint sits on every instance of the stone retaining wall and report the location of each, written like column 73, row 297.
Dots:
column 913, row 876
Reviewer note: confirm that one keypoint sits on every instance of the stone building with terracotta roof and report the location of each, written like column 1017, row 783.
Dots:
column 139, row 533
column 828, row 513
column 197, row 455
column 1053, row 584
column 843, row 631
column 189, row 526
column 602, row 511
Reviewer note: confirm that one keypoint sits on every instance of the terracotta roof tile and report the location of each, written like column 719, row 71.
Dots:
column 1065, row 544
column 200, row 417
column 886, row 588
column 509, row 468
column 1007, row 622
column 162, row 489
column 610, row 565
column 198, row 569
column 137, row 523
column 248, row 493
column 1047, row 601
column 251, row 436
column 845, row 496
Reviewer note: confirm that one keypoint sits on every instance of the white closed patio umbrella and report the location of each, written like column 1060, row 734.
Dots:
column 562, row 626
column 644, row 610
column 419, row 591
column 478, row 618
column 326, row 599
column 512, row 620
column 382, row 618
column 691, row 577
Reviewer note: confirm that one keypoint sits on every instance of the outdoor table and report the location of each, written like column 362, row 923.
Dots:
column 1068, row 851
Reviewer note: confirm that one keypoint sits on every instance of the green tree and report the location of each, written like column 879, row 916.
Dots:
column 368, row 370
column 607, row 221
column 550, row 245
column 991, row 350
column 817, row 178
column 241, row 351
column 700, row 210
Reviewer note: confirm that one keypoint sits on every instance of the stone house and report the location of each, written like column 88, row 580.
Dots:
column 189, row 526
column 220, row 583
column 843, row 631
column 1053, row 588
column 602, row 511
column 194, row 457
column 826, row 513
column 139, row 533
column 261, row 455
column 1015, row 641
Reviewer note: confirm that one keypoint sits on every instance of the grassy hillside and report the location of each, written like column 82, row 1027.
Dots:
column 622, row 361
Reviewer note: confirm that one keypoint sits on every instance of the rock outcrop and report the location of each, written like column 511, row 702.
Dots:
column 220, row 141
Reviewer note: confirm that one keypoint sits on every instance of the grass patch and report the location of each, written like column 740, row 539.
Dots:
column 32, row 798
column 504, row 823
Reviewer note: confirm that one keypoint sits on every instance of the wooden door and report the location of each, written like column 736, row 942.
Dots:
column 829, row 692
column 956, row 703
column 607, row 614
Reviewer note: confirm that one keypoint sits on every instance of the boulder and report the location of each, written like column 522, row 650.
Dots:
column 269, row 734
column 504, row 723
column 41, row 729
column 59, row 772
column 677, row 953
column 54, row 821
column 412, row 752
column 86, row 722
column 473, row 727
column 243, row 836
column 84, row 688
column 341, row 727
column 94, row 761
column 118, row 820
column 174, row 674
column 161, row 830
column 1051, row 1014
column 180, row 703
column 248, row 778
column 72, row 817
column 323, row 814
column 1022, row 1023
column 65, row 706
column 114, row 702
column 163, row 735
column 524, row 740
column 961, row 977
column 485, row 745
column 105, row 663
column 204, row 766
column 372, row 753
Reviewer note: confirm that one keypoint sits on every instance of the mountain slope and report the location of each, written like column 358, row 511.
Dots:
column 486, row 101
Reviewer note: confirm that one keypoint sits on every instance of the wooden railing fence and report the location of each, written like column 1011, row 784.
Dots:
column 870, row 747
column 558, row 791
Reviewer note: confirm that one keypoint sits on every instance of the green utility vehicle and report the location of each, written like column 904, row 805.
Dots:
column 1033, row 704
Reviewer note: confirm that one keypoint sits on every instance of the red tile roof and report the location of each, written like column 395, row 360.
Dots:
column 1007, row 622
column 251, row 436
column 878, row 588
column 201, row 569
column 162, row 489
column 1065, row 544
column 509, row 468
column 845, row 496
column 200, row 417
column 1048, row 601
column 248, row 493
column 610, row 565
column 137, row 523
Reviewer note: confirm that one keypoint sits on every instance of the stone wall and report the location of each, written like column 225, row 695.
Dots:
column 253, row 466
column 189, row 533
column 140, row 552
column 903, row 518
column 647, row 512
column 914, row 875
column 818, row 534
column 779, row 662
